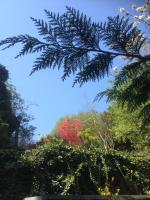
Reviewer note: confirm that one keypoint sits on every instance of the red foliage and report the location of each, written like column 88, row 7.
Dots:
column 68, row 130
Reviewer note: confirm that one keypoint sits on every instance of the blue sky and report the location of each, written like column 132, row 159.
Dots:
column 50, row 98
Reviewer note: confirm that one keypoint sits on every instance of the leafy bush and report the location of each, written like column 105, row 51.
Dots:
column 61, row 169
column 55, row 168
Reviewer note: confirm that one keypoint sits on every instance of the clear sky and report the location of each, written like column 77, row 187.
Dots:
column 50, row 98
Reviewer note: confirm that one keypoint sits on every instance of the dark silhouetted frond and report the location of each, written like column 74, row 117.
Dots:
column 87, row 50
column 95, row 69
column 120, row 35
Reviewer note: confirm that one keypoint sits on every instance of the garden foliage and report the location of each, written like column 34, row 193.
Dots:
column 56, row 168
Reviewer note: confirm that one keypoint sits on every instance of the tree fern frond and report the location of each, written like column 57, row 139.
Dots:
column 43, row 27
column 40, row 47
column 120, row 35
column 74, row 42
column 11, row 41
column 129, row 72
column 49, row 58
column 134, row 92
column 31, row 44
column 110, row 94
column 86, row 31
column 96, row 69
column 126, row 72
column 74, row 62
column 54, row 19
column 61, row 33
column 138, row 90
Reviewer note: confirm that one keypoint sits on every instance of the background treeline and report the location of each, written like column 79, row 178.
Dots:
column 15, row 128
column 117, row 128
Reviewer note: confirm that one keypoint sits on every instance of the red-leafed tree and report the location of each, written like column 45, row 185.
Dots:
column 68, row 131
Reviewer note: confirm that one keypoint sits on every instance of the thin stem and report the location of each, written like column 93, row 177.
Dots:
column 144, row 58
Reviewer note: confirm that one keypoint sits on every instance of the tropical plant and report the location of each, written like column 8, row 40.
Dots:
column 131, row 89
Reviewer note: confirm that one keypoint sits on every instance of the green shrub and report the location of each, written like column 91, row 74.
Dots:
column 61, row 169
column 56, row 168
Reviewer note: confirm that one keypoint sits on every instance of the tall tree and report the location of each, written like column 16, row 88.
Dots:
column 68, row 131
column 14, row 121
column 6, row 114
column 23, row 129
column 132, row 89
column 127, row 129
column 86, row 128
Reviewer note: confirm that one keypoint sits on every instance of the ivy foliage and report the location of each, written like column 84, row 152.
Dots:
column 56, row 168
column 61, row 169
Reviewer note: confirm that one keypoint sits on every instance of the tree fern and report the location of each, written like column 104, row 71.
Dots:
column 87, row 50
column 71, row 40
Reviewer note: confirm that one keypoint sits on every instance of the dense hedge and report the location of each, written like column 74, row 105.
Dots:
column 58, row 169
column 15, row 178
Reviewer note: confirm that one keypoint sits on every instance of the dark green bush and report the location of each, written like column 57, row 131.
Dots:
column 58, row 169
column 61, row 169
column 15, row 178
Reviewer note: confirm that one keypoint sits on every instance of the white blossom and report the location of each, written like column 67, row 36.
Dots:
column 121, row 10
column 142, row 13
column 115, row 69
column 134, row 6
column 135, row 24
column 141, row 17
column 148, row 19
column 140, row 9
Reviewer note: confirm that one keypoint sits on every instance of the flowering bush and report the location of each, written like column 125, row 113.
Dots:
column 143, row 13
column 68, row 131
